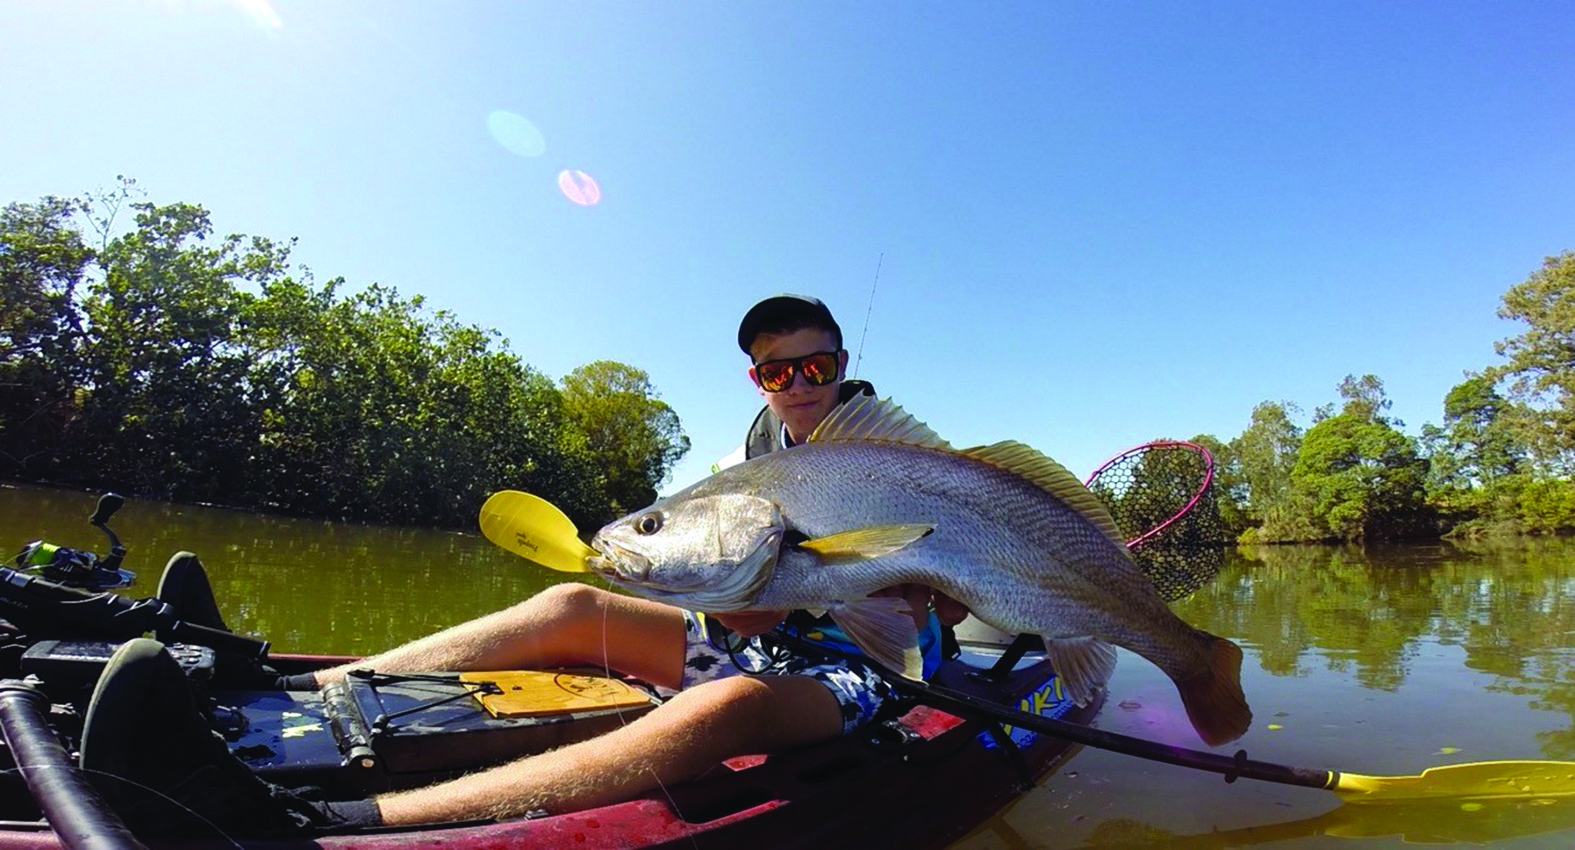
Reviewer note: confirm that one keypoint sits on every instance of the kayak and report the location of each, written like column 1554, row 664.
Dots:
column 923, row 779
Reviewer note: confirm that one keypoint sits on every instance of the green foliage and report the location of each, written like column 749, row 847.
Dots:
column 1483, row 448
column 1547, row 506
column 635, row 437
column 1541, row 367
column 1352, row 476
column 42, row 262
column 1266, row 453
column 1230, row 485
column 200, row 369
column 1362, row 478
column 165, row 406
column 1476, row 462
column 376, row 409
column 1365, row 398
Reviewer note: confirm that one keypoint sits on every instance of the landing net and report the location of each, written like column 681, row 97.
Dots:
column 1161, row 496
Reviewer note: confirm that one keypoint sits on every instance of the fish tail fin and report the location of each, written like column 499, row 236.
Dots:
column 1213, row 697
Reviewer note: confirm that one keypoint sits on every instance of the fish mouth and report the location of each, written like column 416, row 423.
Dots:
column 618, row 563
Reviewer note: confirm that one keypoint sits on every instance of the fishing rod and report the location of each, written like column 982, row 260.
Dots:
column 867, row 310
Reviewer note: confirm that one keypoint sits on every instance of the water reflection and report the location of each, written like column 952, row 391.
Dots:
column 1383, row 660
column 1370, row 612
column 1472, row 823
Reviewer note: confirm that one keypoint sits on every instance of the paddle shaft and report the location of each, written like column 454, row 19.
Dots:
column 965, row 705
column 1232, row 767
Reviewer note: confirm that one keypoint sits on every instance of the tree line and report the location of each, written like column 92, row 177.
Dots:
column 179, row 365
column 1499, row 463
column 174, row 364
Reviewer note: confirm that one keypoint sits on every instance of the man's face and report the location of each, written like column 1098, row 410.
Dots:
column 801, row 406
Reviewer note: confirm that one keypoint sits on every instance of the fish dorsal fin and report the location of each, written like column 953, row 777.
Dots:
column 1053, row 478
column 869, row 419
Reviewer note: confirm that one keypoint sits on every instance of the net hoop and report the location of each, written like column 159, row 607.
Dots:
column 1203, row 488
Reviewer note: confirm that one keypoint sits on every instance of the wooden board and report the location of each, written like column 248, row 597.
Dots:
column 536, row 693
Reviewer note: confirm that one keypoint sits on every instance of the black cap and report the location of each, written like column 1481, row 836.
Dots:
column 788, row 311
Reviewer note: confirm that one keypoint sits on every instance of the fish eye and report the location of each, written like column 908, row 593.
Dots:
column 649, row 523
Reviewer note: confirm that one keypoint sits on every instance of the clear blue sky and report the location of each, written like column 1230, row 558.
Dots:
column 1101, row 222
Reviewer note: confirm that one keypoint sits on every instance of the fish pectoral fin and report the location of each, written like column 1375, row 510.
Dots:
column 882, row 626
column 1084, row 665
column 862, row 544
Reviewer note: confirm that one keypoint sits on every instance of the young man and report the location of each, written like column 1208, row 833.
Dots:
column 798, row 364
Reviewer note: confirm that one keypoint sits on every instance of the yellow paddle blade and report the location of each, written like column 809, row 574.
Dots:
column 533, row 528
column 1498, row 779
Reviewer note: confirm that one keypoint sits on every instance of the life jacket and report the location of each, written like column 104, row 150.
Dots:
column 765, row 434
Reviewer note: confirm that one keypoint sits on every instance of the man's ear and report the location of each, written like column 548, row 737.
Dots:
column 843, row 369
column 755, row 379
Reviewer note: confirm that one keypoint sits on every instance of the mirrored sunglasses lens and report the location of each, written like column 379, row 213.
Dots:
column 774, row 376
column 820, row 369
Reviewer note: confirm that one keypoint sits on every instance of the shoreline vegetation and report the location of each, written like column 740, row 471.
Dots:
column 156, row 359
column 1498, row 465
column 148, row 355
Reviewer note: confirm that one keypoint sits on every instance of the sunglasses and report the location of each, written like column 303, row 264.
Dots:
column 819, row 369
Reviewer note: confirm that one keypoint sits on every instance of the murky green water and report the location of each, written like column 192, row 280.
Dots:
column 305, row 585
column 1383, row 661
column 1386, row 661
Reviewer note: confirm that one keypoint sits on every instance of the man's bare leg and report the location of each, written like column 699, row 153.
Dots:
column 567, row 624
column 678, row 740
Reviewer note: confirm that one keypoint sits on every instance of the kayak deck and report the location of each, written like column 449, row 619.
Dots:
column 921, row 780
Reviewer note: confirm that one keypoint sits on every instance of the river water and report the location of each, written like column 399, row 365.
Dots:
column 1384, row 661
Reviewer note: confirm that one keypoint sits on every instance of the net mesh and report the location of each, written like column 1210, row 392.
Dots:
column 1145, row 489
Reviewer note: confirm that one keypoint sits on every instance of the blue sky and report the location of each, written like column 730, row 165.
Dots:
column 1096, row 223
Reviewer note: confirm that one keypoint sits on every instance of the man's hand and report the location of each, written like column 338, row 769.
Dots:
column 948, row 610
column 920, row 599
column 750, row 623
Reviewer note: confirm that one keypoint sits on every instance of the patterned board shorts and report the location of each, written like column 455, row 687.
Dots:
column 858, row 689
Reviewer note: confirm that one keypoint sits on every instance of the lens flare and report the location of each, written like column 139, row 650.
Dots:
column 515, row 133
column 580, row 187
column 263, row 14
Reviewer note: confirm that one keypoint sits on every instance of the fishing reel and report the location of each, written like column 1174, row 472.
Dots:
column 79, row 568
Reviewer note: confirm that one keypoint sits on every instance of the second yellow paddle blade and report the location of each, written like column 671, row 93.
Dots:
column 534, row 528
column 1463, row 782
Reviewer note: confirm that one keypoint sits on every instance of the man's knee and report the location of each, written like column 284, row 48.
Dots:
column 777, row 710
column 746, row 695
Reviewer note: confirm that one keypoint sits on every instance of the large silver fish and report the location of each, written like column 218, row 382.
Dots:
column 875, row 499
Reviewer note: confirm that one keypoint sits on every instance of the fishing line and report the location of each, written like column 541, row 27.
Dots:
column 867, row 311
column 154, row 791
